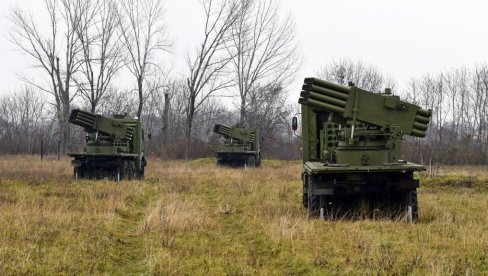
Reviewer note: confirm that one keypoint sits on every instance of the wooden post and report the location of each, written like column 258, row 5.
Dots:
column 59, row 148
column 165, row 123
column 42, row 149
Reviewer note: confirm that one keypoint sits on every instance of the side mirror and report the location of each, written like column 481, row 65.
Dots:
column 149, row 135
column 294, row 123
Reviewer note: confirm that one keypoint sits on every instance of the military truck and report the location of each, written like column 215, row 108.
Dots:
column 352, row 156
column 241, row 147
column 114, row 147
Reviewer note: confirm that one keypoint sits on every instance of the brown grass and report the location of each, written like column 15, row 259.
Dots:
column 195, row 218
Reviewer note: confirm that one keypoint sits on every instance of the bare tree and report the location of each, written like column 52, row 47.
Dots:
column 268, row 112
column 54, row 53
column 101, row 49
column 263, row 49
column 143, row 33
column 347, row 70
column 22, row 121
column 207, row 67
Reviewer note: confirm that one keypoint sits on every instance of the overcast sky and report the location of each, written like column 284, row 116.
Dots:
column 403, row 39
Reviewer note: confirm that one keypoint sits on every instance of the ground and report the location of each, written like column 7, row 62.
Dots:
column 195, row 218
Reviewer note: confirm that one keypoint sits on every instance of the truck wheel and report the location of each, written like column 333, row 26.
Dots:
column 79, row 173
column 313, row 200
column 251, row 162
column 130, row 170
column 123, row 170
column 412, row 201
column 141, row 173
column 305, row 191
column 118, row 174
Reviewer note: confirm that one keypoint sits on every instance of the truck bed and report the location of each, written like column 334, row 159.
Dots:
column 320, row 167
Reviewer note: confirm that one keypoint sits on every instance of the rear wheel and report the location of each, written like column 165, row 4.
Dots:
column 313, row 200
column 405, row 204
column 130, row 170
column 305, row 191
column 123, row 170
column 413, row 205
column 251, row 161
column 118, row 174
column 141, row 173
column 79, row 172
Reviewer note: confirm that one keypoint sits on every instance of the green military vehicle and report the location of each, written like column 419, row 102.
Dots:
column 352, row 157
column 241, row 147
column 114, row 147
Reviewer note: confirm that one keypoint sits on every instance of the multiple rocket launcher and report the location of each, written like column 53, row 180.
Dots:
column 114, row 147
column 94, row 123
column 239, row 134
column 241, row 146
column 352, row 103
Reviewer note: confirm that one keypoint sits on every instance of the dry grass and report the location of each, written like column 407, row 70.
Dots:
column 195, row 218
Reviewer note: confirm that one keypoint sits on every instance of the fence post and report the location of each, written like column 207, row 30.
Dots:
column 42, row 149
column 59, row 148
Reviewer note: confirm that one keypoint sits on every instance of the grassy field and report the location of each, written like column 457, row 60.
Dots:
column 194, row 218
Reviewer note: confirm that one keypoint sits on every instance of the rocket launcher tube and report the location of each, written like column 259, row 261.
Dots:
column 325, row 91
column 422, row 119
column 322, row 98
column 319, row 104
column 420, row 126
column 328, row 85
column 418, row 133
column 424, row 112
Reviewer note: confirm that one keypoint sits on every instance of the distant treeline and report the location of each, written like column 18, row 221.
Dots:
column 26, row 118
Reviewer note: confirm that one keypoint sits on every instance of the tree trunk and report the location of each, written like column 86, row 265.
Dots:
column 191, row 113
column 139, row 88
column 165, row 122
column 243, row 111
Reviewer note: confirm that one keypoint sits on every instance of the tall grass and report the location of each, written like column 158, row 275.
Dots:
column 195, row 218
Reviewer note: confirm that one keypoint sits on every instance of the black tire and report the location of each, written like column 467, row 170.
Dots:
column 305, row 191
column 141, row 173
column 251, row 162
column 123, row 170
column 80, row 173
column 76, row 173
column 412, row 200
column 313, row 200
column 400, row 202
column 130, row 170
column 118, row 174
